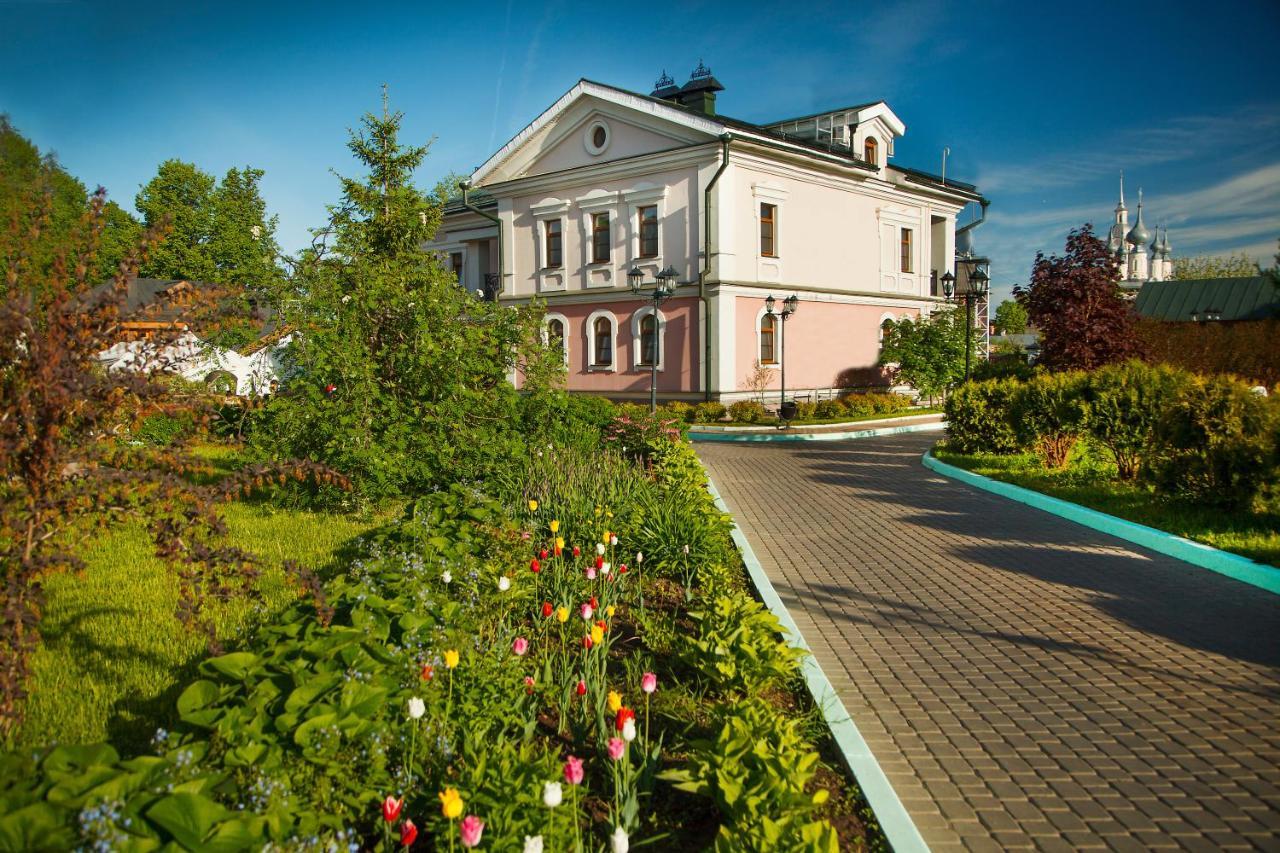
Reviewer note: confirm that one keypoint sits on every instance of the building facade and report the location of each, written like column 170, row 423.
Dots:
column 607, row 181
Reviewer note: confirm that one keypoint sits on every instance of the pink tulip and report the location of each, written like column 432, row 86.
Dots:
column 573, row 771
column 587, row 612
column 616, row 748
column 520, row 646
column 591, row 573
column 649, row 682
column 471, row 829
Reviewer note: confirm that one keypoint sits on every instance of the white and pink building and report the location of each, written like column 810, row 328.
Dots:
column 606, row 180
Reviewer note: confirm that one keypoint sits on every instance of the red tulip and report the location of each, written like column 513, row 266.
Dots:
column 528, row 684
column 622, row 570
column 428, row 672
column 603, row 625
column 582, row 685
column 330, row 388
column 542, row 555
column 586, row 642
column 408, row 834
column 624, row 714
column 547, row 610
column 599, row 561
column 577, row 552
column 391, row 808
column 595, row 605
column 535, row 565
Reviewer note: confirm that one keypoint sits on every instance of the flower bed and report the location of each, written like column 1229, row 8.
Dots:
column 584, row 671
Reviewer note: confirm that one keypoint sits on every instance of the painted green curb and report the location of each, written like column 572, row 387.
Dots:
column 815, row 436
column 897, row 825
column 1197, row 554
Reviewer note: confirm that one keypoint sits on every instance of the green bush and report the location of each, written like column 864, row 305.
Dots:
column 978, row 417
column 1049, row 413
column 747, row 412
column 681, row 411
column 806, row 410
column 825, row 409
column 756, row 769
column 888, row 404
column 1126, row 402
column 1218, row 444
column 739, row 646
column 1003, row 367
column 162, row 430
column 857, row 405
column 709, row 412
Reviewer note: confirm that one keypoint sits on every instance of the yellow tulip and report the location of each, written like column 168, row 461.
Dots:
column 533, row 505
column 597, row 634
column 597, row 512
column 560, row 542
column 608, row 514
column 609, row 611
column 615, row 701
column 451, row 658
column 450, row 803
column 555, row 526
column 562, row 613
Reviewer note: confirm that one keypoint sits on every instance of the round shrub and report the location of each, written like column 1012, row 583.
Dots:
column 1049, row 413
column 978, row 417
column 682, row 412
column 1126, row 402
column 888, row 404
column 828, row 409
column 747, row 411
column 805, row 409
column 857, row 405
column 1218, row 444
column 709, row 412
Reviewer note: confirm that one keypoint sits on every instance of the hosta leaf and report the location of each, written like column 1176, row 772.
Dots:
column 188, row 818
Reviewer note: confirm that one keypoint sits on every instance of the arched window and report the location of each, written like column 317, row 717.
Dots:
column 602, row 342
column 870, row 151
column 557, row 335
column 885, row 320
column 768, row 339
column 648, row 340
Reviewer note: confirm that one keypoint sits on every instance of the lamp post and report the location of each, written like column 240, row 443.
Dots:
column 663, row 288
column 789, row 305
column 978, row 283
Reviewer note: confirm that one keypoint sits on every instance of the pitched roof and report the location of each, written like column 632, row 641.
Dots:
column 1254, row 298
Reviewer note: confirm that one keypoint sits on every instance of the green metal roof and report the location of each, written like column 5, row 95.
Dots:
column 1255, row 298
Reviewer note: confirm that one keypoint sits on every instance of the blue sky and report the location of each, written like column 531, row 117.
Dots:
column 1042, row 107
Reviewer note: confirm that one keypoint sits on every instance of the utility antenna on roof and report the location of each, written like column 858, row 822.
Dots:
column 945, row 152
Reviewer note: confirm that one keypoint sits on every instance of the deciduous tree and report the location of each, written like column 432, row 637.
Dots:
column 1237, row 265
column 1011, row 318
column 1075, row 302
column 927, row 354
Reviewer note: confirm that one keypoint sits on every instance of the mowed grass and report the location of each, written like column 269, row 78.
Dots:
column 114, row 657
column 1089, row 481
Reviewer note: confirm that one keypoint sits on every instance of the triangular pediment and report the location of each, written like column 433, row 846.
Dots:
column 594, row 124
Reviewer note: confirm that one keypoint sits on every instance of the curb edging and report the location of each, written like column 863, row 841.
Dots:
column 895, row 822
column 816, row 436
column 1197, row 554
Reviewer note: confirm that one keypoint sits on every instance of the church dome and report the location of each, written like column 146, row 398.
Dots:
column 1138, row 234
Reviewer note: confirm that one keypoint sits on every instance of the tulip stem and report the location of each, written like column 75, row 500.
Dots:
column 577, row 831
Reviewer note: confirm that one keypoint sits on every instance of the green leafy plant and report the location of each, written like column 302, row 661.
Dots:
column 747, row 411
column 709, row 412
column 1049, row 413
column 979, row 417
column 1126, row 403
column 739, row 644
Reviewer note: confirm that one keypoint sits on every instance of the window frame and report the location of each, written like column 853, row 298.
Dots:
column 637, row 339
column 547, row 234
column 596, row 231
column 589, row 331
column 769, row 216
column 871, row 150
column 772, row 335
column 640, row 229
column 554, row 317
column 906, row 250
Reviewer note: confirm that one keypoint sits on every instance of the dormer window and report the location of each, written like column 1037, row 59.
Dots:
column 870, row 151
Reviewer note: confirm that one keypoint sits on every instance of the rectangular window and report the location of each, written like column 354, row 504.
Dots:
column 455, row 259
column 648, row 216
column 768, row 230
column 599, row 238
column 906, row 250
column 555, row 245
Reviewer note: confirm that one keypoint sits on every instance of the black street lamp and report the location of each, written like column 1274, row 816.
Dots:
column 663, row 289
column 978, row 283
column 786, row 411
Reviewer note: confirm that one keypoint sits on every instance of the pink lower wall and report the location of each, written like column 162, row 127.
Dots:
column 680, row 342
column 828, row 345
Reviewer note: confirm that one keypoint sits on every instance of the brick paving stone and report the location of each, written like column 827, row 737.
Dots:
column 1020, row 677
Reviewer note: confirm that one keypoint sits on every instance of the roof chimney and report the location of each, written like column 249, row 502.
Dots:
column 699, row 94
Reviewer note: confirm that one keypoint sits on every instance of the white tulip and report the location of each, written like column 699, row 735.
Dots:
column 504, row 583
column 618, row 842
column 446, row 577
column 417, row 708
column 552, row 794
column 639, row 557
column 533, row 845
column 600, row 548
column 629, row 731
column 605, row 568
column 613, row 540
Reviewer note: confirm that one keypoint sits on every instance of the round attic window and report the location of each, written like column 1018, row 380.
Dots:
column 596, row 139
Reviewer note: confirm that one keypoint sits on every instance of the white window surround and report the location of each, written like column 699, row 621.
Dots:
column 643, row 196
column 589, row 330
column 589, row 206
column 553, row 278
column 776, row 196
column 777, row 338
column 884, row 318
column 588, row 138
column 636, row 346
column 546, row 331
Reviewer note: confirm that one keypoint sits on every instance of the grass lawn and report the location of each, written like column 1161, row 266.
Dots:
column 1089, row 481
column 846, row 419
column 113, row 654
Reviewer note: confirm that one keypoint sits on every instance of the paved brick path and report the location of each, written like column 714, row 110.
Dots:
column 1024, row 681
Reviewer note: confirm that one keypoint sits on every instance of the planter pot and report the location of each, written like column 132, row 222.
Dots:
column 788, row 412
